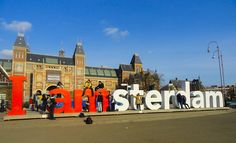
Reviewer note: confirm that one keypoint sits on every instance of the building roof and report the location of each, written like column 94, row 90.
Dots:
column 79, row 49
column 101, row 72
column 20, row 41
column 135, row 59
column 126, row 67
column 49, row 59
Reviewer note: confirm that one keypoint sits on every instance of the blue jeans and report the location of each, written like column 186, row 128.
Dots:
column 99, row 106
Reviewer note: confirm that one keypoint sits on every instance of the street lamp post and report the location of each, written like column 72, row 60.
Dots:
column 221, row 66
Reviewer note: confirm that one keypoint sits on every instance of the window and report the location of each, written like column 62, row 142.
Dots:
column 86, row 71
column 93, row 71
column 107, row 72
column 51, row 60
column 113, row 73
column 100, row 72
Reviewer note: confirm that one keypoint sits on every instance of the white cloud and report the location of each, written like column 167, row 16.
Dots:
column 5, row 53
column 18, row 26
column 111, row 30
column 115, row 32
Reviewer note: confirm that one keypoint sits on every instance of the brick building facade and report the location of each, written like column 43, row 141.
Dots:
column 44, row 71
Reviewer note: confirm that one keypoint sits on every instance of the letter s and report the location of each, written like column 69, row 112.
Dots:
column 123, row 104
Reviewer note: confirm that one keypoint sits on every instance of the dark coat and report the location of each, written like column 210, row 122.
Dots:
column 99, row 98
column 179, row 98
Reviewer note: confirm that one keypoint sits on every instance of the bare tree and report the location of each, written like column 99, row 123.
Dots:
column 148, row 80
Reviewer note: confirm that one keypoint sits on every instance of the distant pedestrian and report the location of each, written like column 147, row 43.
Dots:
column 52, row 107
column 85, row 103
column 180, row 101
column 44, row 103
column 99, row 101
column 2, row 108
column 112, row 103
column 184, row 102
column 31, row 103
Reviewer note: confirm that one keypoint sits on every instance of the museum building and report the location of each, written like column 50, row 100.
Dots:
column 43, row 72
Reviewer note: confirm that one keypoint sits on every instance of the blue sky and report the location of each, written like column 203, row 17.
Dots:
column 171, row 36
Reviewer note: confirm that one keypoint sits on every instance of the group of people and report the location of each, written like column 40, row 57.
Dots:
column 43, row 103
column 99, row 98
column 181, row 99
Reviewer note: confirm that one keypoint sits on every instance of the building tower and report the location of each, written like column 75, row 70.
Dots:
column 20, row 50
column 79, row 61
column 19, row 57
column 61, row 53
column 136, row 63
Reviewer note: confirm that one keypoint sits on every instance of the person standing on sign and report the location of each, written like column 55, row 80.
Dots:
column 99, row 100
column 88, row 85
column 100, row 86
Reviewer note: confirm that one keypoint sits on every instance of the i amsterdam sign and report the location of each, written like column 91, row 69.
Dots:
column 154, row 100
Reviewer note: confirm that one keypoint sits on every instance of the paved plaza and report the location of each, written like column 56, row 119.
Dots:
column 215, row 126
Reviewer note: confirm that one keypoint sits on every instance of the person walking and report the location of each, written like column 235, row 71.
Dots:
column 99, row 101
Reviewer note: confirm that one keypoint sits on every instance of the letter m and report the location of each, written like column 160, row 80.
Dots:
column 214, row 99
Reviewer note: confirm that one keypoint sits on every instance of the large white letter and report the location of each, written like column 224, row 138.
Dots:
column 186, row 89
column 166, row 98
column 152, row 100
column 197, row 99
column 122, row 104
column 214, row 99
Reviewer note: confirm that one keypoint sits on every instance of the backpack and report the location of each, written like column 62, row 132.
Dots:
column 88, row 120
column 81, row 115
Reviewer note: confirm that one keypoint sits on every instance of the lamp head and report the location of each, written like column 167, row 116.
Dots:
column 208, row 50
